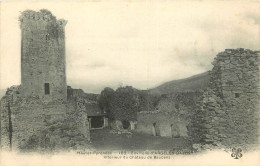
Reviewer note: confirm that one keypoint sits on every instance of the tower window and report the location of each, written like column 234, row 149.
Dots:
column 47, row 37
column 47, row 88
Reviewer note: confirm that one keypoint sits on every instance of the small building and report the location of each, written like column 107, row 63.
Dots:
column 97, row 118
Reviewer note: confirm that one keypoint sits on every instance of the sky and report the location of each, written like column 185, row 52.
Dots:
column 137, row 43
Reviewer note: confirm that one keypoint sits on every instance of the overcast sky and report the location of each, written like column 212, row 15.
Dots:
column 141, row 44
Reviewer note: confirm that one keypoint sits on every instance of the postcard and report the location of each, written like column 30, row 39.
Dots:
column 129, row 83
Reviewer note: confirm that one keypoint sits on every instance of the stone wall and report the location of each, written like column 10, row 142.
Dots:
column 229, row 112
column 28, row 115
column 172, row 117
column 79, row 93
column 43, row 55
column 77, row 116
column 37, row 115
column 40, row 126
column 226, row 114
column 163, row 124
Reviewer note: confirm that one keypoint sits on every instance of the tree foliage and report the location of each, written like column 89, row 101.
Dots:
column 125, row 102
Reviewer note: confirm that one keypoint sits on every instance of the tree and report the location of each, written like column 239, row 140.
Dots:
column 125, row 102
column 106, row 99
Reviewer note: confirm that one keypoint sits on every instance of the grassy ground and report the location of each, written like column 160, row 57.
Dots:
column 102, row 139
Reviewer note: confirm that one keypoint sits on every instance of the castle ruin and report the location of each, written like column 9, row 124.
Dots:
column 226, row 114
column 44, row 113
column 38, row 114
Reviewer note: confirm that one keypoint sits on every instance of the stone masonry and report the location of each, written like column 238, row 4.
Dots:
column 174, row 113
column 229, row 112
column 39, row 125
column 37, row 115
column 43, row 55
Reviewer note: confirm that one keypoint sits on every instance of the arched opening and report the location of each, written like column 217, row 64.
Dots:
column 175, row 131
column 126, row 124
column 156, row 130
column 47, row 37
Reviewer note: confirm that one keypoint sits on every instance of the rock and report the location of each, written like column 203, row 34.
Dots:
column 207, row 126
column 218, row 111
column 197, row 147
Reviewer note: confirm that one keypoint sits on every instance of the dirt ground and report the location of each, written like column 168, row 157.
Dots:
column 104, row 139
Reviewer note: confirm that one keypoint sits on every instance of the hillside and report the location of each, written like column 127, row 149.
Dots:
column 190, row 84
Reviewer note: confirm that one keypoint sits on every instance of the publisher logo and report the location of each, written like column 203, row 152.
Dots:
column 236, row 153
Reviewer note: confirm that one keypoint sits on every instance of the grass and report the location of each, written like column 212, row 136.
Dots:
column 102, row 139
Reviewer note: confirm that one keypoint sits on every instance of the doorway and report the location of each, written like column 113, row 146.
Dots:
column 156, row 130
column 126, row 124
column 97, row 122
column 175, row 131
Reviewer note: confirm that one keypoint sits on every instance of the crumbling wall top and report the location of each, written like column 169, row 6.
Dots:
column 42, row 16
column 234, row 56
column 238, row 52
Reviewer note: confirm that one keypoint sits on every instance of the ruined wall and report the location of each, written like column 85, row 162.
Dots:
column 43, row 55
column 77, row 116
column 173, row 115
column 166, row 123
column 40, row 125
column 30, row 118
column 79, row 93
column 28, row 115
column 229, row 113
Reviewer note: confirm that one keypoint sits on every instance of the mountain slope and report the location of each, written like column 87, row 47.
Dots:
column 190, row 84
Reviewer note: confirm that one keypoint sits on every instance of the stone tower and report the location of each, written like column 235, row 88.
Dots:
column 43, row 56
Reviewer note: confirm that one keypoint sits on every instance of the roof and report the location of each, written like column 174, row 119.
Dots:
column 93, row 110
